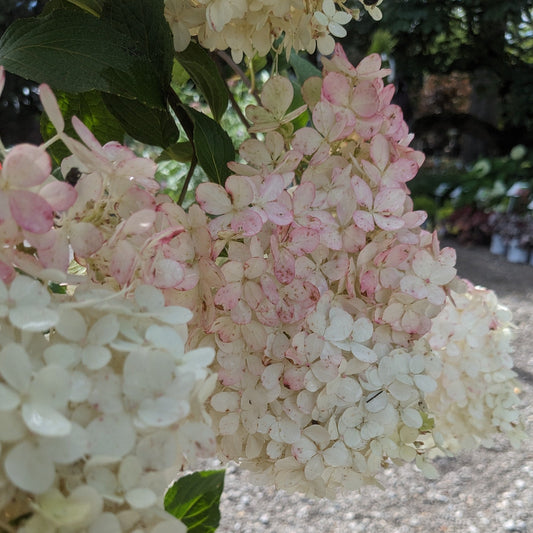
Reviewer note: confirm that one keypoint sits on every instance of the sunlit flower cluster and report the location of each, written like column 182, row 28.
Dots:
column 98, row 414
column 250, row 28
column 329, row 286
column 477, row 393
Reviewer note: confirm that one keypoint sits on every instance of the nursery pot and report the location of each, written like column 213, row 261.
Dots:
column 516, row 253
column 498, row 245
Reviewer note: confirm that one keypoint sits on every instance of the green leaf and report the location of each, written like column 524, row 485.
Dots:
column 179, row 75
column 146, row 124
column 302, row 67
column 90, row 109
column 301, row 120
column 181, row 152
column 143, row 21
column 57, row 4
column 94, row 7
column 76, row 52
column 203, row 71
column 213, row 146
column 427, row 423
column 195, row 498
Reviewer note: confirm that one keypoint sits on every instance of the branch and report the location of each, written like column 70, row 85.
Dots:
column 231, row 97
column 177, row 106
column 185, row 186
column 238, row 70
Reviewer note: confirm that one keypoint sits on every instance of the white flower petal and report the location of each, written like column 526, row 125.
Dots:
column 9, row 399
column 62, row 354
column 111, row 435
column 44, row 420
column 27, row 291
column 129, row 472
column 95, row 357
column 67, row 449
column 412, row 418
column 31, row 318
column 71, row 325
column 81, row 387
column 106, row 523
column 376, row 401
column 12, row 427
column 51, row 386
column 337, row 455
column 363, row 353
column 162, row 411
column 170, row 526
column 425, row 383
column 15, row 367
column 141, row 498
column 29, row 468
column 104, row 330
column 149, row 298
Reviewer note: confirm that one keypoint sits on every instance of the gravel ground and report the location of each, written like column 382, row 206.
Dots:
column 483, row 491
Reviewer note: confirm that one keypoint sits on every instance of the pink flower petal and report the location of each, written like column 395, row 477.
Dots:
column 85, row 239
column 58, row 255
column 368, row 127
column 389, row 222
column 400, row 171
column 213, row 199
column 26, row 165
column 364, row 220
column 336, row 89
column 365, row 100
column 167, row 273
column 277, row 95
column 51, row 108
column 240, row 190
column 229, row 295
column 380, row 151
column 123, row 262
column 363, row 193
column 307, row 141
column 278, row 213
column 30, row 211
column 86, row 135
column 324, row 117
column 247, row 223
column 284, row 267
column 59, row 194
column 303, row 240
column 390, row 201
column 370, row 65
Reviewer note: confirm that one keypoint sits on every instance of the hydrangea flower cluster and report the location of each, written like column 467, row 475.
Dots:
column 476, row 393
column 330, row 287
column 304, row 284
column 100, row 401
column 99, row 414
column 250, row 28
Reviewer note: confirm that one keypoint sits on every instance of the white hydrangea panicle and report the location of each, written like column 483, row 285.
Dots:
column 476, row 397
column 249, row 28
column 101, row 405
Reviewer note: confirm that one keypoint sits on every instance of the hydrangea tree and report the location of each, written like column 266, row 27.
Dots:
column 296, row 318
